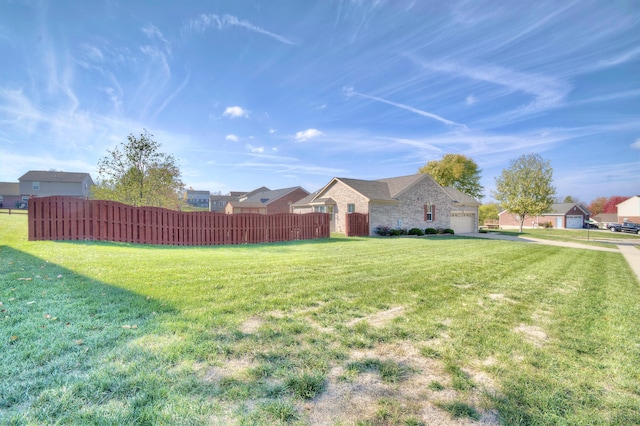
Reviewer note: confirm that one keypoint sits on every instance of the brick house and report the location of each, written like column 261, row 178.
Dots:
column 414, row 201
column 44, row 184
column 629, row 210
column 266, row 201
column 560, row 215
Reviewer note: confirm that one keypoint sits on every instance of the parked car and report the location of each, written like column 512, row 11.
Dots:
column 590, row 224
column 632, row 227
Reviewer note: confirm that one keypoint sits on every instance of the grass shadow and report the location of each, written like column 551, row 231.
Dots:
column 68, row 346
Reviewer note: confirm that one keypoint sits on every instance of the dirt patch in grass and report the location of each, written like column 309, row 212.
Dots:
column 533, row 334
column 502, row 297
column 251, row 325
column 349, row 398
column 233, row 367
column 379, row 318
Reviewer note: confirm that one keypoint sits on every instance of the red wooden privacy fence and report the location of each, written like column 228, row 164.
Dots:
column 68, row 218
column 357, row 225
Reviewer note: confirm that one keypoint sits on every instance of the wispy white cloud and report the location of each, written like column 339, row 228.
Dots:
column 255, row 149
column 349, row 91
column 154, row 33
column 305, row 135
column 206, row 21
column 470, row 100
column 636, row 144
column 235, row 112
column 547, row 92
column 231, row 137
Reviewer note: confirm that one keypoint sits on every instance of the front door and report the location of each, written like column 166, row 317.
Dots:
column 559, row 223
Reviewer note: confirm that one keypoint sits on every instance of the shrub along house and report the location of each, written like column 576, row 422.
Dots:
column 406, row 202
column 561, row 215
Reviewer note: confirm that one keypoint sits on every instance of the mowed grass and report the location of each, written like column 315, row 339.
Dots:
column 366, row 331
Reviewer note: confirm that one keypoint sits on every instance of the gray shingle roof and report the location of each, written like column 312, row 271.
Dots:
column 268, row 196
column 40, row 176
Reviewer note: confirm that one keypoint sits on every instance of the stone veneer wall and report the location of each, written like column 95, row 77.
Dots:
column 409, row 212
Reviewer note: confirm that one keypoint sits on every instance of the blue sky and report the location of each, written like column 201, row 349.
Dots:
column 285, row 93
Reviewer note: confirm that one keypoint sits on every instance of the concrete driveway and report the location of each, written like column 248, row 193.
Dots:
column 626, row 247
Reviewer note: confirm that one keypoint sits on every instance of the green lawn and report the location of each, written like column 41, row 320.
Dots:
column 596, row 237
column 362, row 331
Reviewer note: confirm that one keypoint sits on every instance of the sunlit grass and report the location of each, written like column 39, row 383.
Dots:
column 130, row 334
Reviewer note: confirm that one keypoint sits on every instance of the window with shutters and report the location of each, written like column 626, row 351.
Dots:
column 429, row 212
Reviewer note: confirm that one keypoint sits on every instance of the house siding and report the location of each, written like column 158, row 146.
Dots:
column 629, row 210
column 409, row 211
column 73, row 189
column 345, row 195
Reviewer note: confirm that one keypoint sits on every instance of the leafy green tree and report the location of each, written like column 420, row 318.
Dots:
column 488, row 212
column 458, row 171
column 525, row 189
column 136, row 173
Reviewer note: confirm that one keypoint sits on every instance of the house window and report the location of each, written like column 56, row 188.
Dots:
column 25, row 198
column 35, row 186
column 319, row 209
column 351, row 208
column 429, row 212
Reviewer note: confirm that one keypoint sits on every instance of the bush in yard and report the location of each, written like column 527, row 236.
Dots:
column 448, row 231
column 430, row 231
column 383, row 231
column 397, row 232
column 415, row 231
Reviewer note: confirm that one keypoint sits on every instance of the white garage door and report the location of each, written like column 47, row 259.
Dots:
column 462, row 223
column 574, row 222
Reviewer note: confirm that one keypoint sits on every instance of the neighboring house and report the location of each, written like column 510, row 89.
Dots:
column 629, row 210
column 414, row 201
column 219, row 202
column 44, row 184
column 603, row 219
column 273, row 201
column 561, row 215
column 10, row 197
column 197, row 198
column 236, row 207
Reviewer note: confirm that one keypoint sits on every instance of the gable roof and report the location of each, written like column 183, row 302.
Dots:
column 564, row 208
column 9, row 188
column 68, row 177
column 268, row 196
column 460, row 197
column 389, row 189
column 559, row 209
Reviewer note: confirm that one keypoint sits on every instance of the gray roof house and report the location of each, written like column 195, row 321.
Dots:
column 10, row 195
column 414, row 201
column 560, row 215
column 44, row 184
